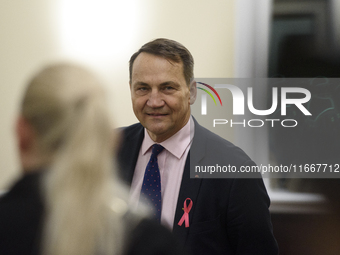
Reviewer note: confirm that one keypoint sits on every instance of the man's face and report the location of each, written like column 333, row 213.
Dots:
column 160, row 95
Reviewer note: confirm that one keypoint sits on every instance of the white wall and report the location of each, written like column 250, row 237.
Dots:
column 27, row 41
column 103, row 34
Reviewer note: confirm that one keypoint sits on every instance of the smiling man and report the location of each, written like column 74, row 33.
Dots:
column 208, row 216
column 160, row 95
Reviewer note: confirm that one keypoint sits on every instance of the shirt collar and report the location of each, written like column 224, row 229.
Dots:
column 175, row 144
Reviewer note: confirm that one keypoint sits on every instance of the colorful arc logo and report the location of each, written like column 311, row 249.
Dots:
column 213, row 90
column 204, row 97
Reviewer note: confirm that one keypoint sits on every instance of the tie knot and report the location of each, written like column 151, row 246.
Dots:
column 156, row 149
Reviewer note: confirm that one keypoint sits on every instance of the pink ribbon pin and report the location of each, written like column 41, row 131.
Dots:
column 185, row 216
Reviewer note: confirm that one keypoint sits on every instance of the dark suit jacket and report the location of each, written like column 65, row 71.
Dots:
column 229, row 215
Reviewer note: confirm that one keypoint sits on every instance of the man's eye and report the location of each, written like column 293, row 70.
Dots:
column 141, row 90
column 169, row 88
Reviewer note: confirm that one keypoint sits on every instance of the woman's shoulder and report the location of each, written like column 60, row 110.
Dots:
column 141, row 234
column 149, row 237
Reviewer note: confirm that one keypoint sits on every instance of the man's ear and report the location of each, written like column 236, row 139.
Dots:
column 193, row 92
column 25, row 134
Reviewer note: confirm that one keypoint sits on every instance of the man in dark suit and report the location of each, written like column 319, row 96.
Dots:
column 208, row 216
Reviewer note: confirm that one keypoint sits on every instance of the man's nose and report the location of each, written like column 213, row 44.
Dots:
column 155, row 99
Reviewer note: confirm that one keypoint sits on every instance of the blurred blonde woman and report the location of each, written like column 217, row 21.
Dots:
column 69, row 200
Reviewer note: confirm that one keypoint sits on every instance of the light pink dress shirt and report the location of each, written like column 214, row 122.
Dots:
column 171, row 162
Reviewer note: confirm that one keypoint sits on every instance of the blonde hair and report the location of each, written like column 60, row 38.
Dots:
column 66, row 106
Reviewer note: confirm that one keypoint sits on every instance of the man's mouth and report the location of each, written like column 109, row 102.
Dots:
column 156, row 114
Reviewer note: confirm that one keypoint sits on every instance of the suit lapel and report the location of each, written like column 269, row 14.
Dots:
column 128, row 154
column 190, row 187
